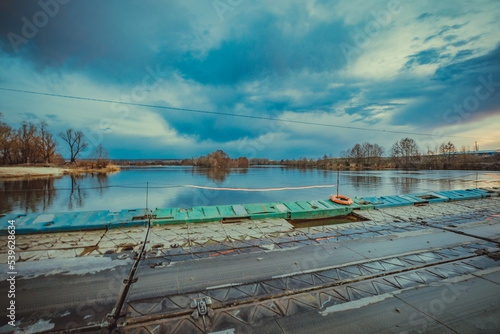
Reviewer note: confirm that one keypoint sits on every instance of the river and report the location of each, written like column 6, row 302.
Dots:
column 127, row 189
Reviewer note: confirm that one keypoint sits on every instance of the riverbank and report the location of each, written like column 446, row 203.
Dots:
column 42, row 171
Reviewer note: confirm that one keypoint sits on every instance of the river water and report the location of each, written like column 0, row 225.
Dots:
column 127, row 189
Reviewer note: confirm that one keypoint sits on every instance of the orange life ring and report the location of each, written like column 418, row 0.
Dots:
column 341, row 200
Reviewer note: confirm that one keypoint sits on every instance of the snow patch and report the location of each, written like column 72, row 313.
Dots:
column 40, row 326
column 67, row 266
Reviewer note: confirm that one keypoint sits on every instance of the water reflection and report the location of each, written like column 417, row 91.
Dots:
column 40, row 194
column 76, row 195
column 219, row 175
column 405, row 185
column 17, row 194
column 80, row 189
column 360, row 181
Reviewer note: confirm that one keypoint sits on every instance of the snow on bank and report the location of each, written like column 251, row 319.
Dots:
column 31, row 171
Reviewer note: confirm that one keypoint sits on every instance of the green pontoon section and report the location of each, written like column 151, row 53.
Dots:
column 299, row 210
column 287, row 210
column 295, row 210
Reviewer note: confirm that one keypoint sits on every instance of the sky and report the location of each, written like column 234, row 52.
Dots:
column 361, row 71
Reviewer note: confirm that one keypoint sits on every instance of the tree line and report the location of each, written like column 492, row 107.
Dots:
column 218, row 159
column 361, row 153
column 34, row 144
column 365, row 153
column 30, row 143
column 407, row 154
column 404, row 153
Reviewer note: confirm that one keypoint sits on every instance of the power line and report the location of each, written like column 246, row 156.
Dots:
column 232, row 115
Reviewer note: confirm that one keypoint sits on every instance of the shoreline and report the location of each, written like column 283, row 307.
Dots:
column 31, row 172
column 21, row 172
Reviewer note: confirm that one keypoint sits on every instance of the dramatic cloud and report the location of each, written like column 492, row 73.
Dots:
column 421, row 67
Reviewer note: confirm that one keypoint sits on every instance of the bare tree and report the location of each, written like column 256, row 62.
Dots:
column 357, row 153
column 218, row 159
column 377, row 151
column 26, row 139
column 367, row 150
column 405, row 151
column 465, row 153
column 75, row 141
column 448, row 150
column 345, row 155
column 99, row 157
column 46, row 143
column 242, row 162
column 364, row 153
column 5, row 141
column 431, row 158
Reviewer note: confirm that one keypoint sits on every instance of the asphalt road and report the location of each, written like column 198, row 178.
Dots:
column 470, row 306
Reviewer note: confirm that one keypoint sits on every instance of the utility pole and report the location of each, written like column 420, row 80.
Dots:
column 147, row 193
column 338, row 176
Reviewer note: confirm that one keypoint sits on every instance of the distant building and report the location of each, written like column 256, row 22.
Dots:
column 487, row 152
column 480, row 153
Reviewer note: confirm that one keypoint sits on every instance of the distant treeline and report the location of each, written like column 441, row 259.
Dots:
column 404, row 154
column 217, row 159
column 147, row 162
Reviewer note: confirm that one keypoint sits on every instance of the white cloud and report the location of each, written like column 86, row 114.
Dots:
column 485, row 131
column 385, row 53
